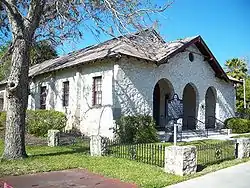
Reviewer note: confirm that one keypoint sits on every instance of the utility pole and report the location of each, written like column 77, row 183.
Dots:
column 244, row 93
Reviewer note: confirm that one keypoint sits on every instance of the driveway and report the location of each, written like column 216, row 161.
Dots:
column 64, row 179
column 233, row 177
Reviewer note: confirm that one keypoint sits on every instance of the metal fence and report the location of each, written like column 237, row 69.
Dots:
column 152, row 154
column 208, row 154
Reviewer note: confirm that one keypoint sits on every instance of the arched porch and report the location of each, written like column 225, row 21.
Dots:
column 190, row 94
column 163, row 92
column 210, row 108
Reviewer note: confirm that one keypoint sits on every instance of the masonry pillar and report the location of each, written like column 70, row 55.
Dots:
column 180, row 160
column 53, row 138
column 95, row 145
column 243, row 148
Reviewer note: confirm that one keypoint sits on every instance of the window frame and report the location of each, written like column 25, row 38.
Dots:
column 43, row 91
column 65, row 94
column 2, row 104
column 97, row 91
column 191, row 56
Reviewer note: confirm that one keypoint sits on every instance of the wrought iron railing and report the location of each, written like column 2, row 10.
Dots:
column 208, row 154
column 222, row 122
column 215, row 121
column 151, row 153
column 199, row 121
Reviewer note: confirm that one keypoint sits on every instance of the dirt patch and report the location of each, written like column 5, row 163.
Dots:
column 29, row 139
column 68, row 138
column 66, row 178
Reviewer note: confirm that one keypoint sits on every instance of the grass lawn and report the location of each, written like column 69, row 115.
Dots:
column 245, row 135
column 43, row 158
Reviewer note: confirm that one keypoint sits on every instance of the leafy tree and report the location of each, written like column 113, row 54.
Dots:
column 27, row 21
column 40, row 52
column 240, row 94
column 238, row 69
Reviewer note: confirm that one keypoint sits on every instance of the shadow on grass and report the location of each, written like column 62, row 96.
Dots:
column 201, row 167
column 203, row 142
column 75, row 150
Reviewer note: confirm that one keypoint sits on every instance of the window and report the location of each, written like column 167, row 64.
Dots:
column 97, row 90
column 1, row 104
column 43, row 96
column 191, row 56
column 66, row 93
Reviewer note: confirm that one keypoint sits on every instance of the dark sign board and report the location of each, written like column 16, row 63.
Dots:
column 175, row 108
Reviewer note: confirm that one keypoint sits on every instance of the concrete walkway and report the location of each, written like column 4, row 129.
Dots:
column 233, row 177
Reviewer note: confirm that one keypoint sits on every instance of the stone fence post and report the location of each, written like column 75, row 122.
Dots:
column 53, row 138
column 98, row 145
column 243, row 148
column 95, row 145
column 180, row 160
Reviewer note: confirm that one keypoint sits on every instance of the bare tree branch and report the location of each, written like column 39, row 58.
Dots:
column 34, row 14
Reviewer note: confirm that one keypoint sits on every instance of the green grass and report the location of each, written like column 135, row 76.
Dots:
column 246, row 135
column 43, row 158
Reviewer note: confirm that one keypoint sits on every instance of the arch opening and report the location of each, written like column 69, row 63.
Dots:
column 210, row 108
column 189, row 107
column 163, row 92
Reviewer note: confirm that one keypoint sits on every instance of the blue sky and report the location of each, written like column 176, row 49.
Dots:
column 223, row 24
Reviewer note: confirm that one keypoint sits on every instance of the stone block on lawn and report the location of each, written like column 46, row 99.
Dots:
column 53, row 138
column 243, row 150
column 95, row 145
column 180, row 160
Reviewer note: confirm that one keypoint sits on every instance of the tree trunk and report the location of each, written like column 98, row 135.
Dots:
column 17, row 93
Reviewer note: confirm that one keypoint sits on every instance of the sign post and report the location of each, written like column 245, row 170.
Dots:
column 175, row 112
column 175, row 134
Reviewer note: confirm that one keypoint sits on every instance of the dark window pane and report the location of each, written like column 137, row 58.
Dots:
column 66, row 93
column 43, row 96
column 1, row 104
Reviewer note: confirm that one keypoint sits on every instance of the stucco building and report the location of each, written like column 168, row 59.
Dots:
column 130, row 75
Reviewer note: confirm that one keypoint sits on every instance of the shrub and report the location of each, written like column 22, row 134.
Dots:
column 2, row 119
column 40, row 121
column 136, row 129
column 238, row 125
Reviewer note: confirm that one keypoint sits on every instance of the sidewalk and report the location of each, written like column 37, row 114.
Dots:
column 233, row 177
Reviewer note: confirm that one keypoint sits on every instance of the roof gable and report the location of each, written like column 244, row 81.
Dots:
column 181, row 45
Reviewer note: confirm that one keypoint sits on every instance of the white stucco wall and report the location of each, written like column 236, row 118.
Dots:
column 135, row 82
column 80, row 111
